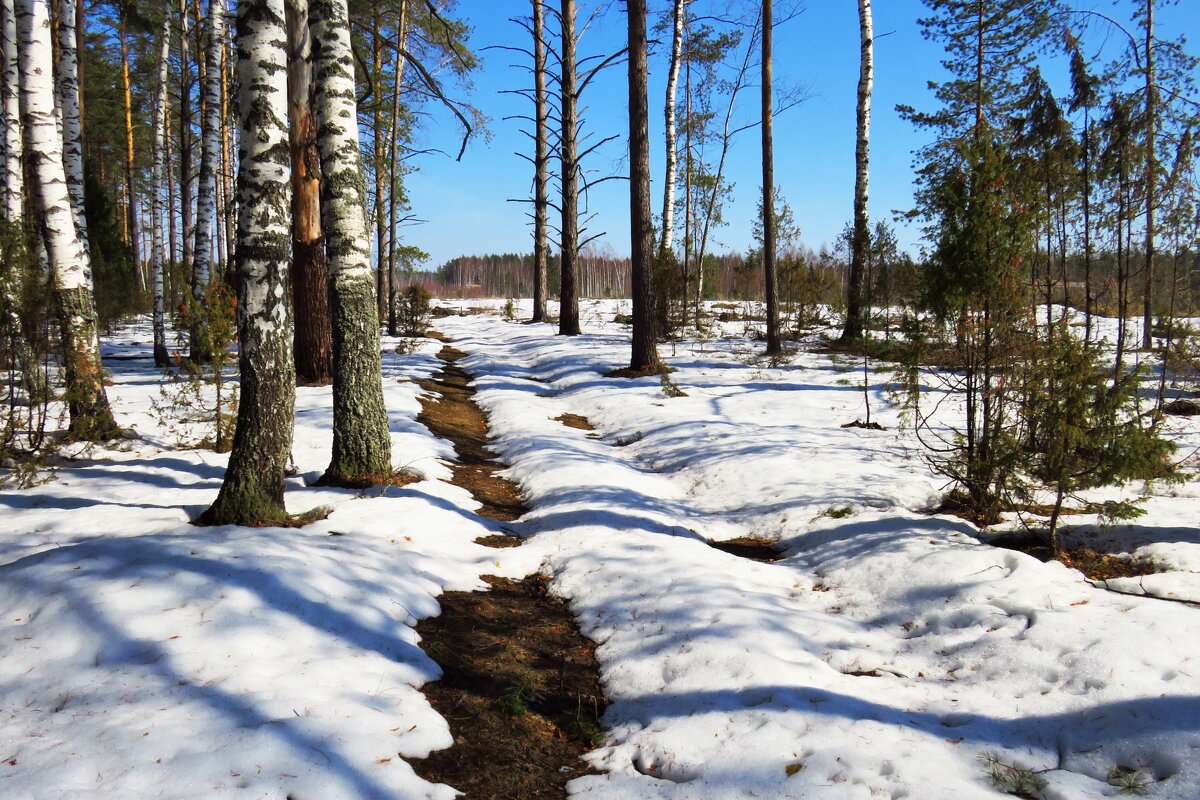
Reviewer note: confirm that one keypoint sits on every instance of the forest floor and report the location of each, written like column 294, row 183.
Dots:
column 775, row 612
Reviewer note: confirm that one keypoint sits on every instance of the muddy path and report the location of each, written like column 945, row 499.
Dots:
column 520, row 685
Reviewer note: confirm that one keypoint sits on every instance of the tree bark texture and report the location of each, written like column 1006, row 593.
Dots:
column 672, row 155
column 91, row 416
column 774, row 346
column 568, row 313
column 161, row 357
column 860, row 246
column 252, row 492
column 644, row 352
column 541, row 161
column 361, row 438
column 206, row 197
column 313, row 341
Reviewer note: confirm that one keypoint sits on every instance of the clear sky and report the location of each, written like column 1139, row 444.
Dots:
column 465, row 204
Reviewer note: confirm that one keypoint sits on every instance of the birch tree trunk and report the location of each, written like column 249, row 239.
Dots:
column 252, row 492
column 13, row 272
column 541, row 161
column 361, row 439
column 72, row 127
column 210, row 154
column 187, row 222
column 860, row 247
column 568, row 313
column 91, row 416
column 774, row 346
column 161, row 357
column 672, row 156
column 644, row 351
column 310, row 278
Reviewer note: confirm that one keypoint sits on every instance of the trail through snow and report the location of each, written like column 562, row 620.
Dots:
column 881, row 658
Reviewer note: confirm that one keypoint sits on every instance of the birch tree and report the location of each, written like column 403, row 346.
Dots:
column 72, row 124
column 860, row 245
column 210, row 154
column 90, row 414
column 161, row 358
column 672, row 151
column 644, row 355
column 252, row 492
column 361, row 439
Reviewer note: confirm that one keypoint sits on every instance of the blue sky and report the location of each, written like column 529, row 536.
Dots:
column 465, row 204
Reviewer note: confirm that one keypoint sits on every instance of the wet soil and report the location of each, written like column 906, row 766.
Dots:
column 520, row 686
column 1097, row 565
column 750, row 547
column 450, row 412
column 520, row 692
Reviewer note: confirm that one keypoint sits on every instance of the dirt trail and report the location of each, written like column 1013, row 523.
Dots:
column 520, row 685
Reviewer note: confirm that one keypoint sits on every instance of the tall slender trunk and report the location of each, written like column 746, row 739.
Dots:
column 206, row 199
column 541, row 161
column 72, row 120
column 672, row 156
column 159, row 257
column 229, row 215
column 91, row 415
column 252, row 492
column 1151, row 177
column 313, row 343
column 1087, row 227
column 12, row 273
column 774, row 346
column 187, row 222
column 131, row 216
column 568, row 314
column 394, row 173
column 861, row 244
column 644, row 351
column 361, row 439
column 377, row 164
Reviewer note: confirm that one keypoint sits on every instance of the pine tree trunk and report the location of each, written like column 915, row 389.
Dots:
column 91, row 416
column 861, row 244
column 568, row 314
column 161, row 357
column 131, row 216
column 541, row 160
column 361, row 439
column 394, row 173
column 252, row 492
column 644, row 355
column 672, row 156
column 774, row 346
column 206, row 199
column 310, row 278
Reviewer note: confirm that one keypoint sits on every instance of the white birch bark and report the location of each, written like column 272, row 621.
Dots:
column 361, row 439
column 252, row 492
column 72, row 126
column 210, row 153
column 672, row 156
column 14, row 189
column 861, row 243
column 156, row 196
column 91, row 416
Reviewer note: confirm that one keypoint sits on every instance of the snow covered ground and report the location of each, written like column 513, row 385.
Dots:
column 885, row 657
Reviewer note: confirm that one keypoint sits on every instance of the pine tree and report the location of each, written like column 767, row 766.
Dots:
column 644, row 355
